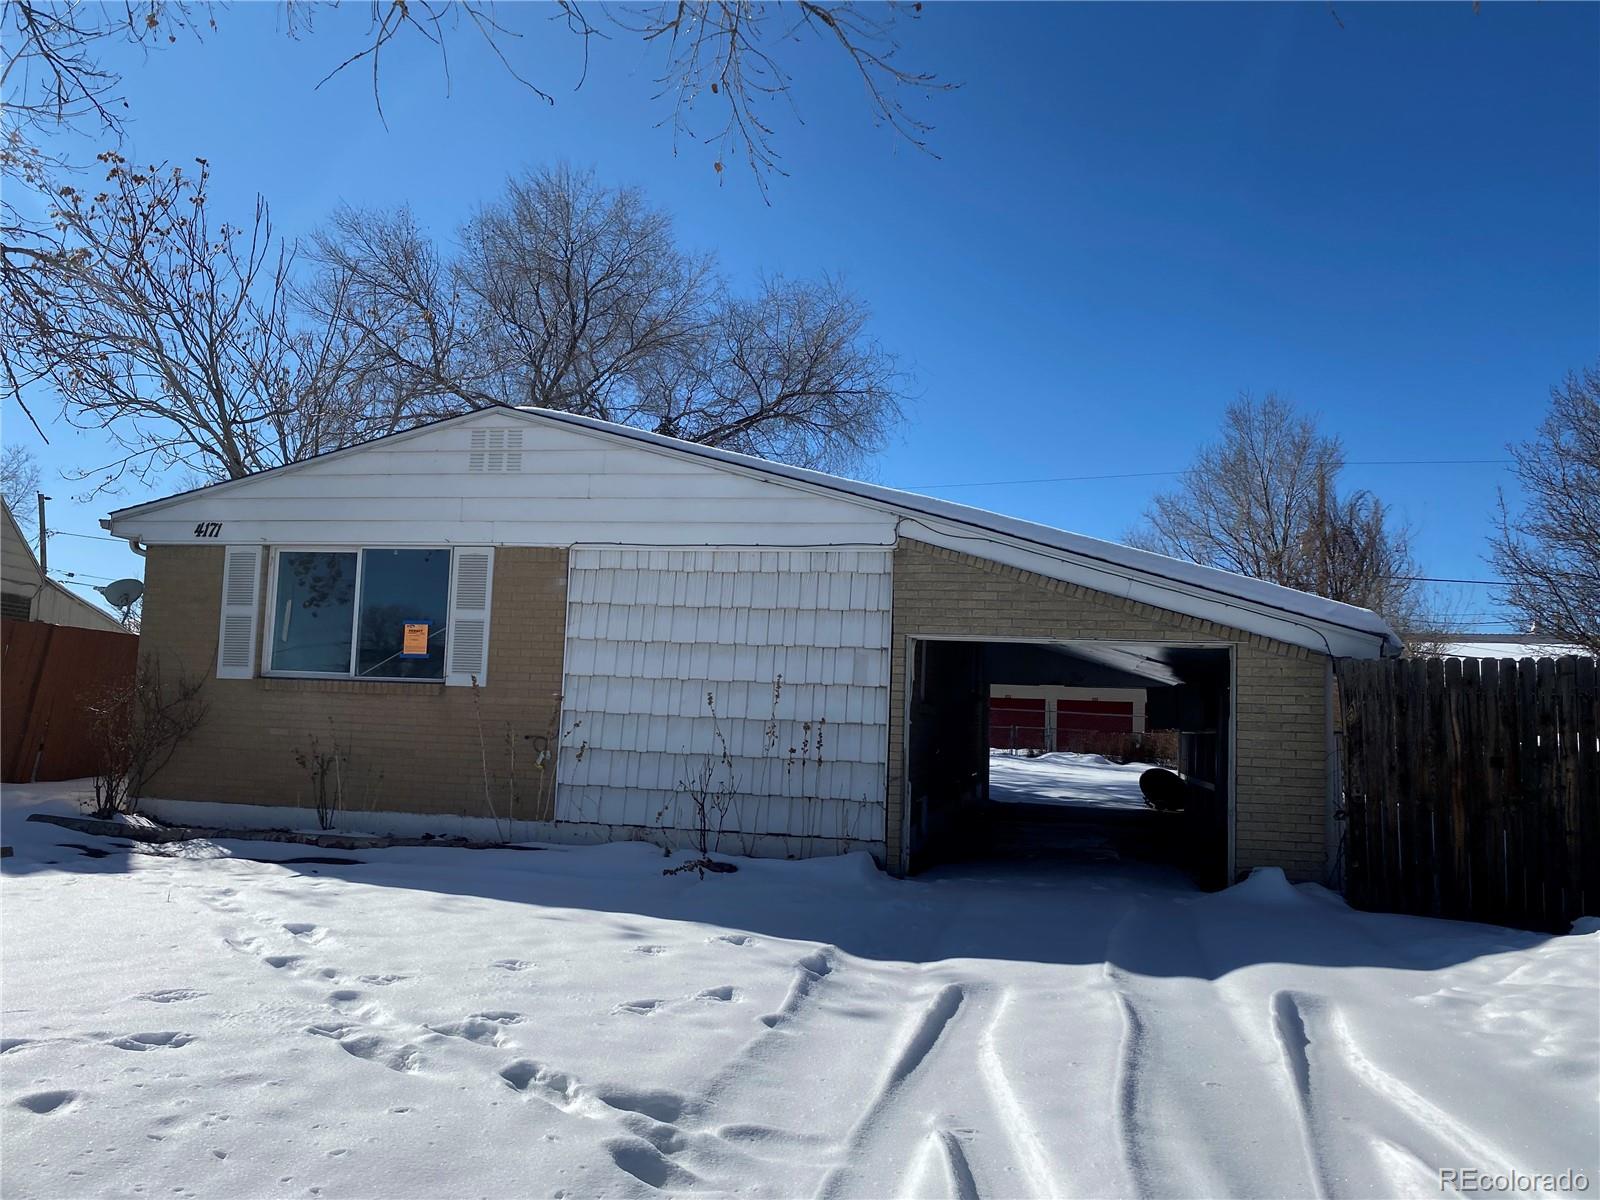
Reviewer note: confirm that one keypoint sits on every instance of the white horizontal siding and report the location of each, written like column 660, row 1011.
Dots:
column 575, row 487
column 656, row 638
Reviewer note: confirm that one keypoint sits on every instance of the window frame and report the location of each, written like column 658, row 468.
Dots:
column 270, row 602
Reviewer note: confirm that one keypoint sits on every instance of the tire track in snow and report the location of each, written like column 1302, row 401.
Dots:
column 1454, row 1142
column 1032, row 1156
column 1195, row 1066
column 1130, row 1076
column 946, row 1088
column 957, row 1170
column 920, row 1040
column 1367, row 1132
column 1289, row 1027
column 809, row 970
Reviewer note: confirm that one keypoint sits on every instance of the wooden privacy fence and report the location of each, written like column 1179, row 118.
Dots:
column 1472, row 788
column 49, row 670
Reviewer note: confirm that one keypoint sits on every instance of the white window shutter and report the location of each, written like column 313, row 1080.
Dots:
column 236, row 637
column 471, row 590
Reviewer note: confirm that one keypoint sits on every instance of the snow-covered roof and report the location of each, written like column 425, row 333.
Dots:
column 1506, row 645
column 1137, row 565
column 838, row 511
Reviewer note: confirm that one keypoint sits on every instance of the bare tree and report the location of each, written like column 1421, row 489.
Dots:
column 1549, row 553
column 1264, row 502
column 572, row 288
column 135, row 725
column 725, row 55
column 790, row 374
column 571, row 295
column 383, row 281
column 19, row 481
column 53, row 73
column 1353, row 550
column 176, row 336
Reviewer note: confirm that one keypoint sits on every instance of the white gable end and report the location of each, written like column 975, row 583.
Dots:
column 508, row 477
column 498, row 478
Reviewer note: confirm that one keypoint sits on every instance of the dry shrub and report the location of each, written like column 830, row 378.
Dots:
column 135, row 726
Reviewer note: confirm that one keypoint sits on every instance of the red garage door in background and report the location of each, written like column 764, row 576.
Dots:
column 1094, row 716
column 1016, row 723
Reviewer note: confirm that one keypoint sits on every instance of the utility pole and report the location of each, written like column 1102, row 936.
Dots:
column 44, row 551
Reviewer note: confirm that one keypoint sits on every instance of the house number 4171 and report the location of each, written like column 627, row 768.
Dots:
column 208, row 529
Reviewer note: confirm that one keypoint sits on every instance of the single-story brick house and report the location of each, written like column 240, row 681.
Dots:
column 460, row 602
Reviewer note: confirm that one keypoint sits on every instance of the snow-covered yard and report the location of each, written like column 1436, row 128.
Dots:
column 570, row 1022
column 1063, row 777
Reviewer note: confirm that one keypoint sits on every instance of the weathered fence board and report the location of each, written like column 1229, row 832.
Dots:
column 1472, row 788
column 48, row 671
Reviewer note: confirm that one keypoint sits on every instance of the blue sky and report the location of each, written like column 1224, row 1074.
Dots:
column 1136, row 212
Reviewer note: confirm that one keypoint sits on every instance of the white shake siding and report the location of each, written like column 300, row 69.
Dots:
column 656, row 638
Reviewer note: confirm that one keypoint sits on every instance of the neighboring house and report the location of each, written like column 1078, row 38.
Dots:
column 1504, row 645
column 644, row 608
column 26, row 594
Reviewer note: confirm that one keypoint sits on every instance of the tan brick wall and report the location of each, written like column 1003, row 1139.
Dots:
column 413, row 747
column 1280, row 737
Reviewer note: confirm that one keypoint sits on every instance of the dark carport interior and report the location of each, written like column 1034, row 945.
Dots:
column 1070, row 790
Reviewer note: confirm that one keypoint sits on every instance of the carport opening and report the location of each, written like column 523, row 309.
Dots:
column 1071, row 752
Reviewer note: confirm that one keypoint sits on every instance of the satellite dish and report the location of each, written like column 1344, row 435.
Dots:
column 122, row 593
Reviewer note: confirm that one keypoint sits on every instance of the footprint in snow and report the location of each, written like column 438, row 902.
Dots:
column 383, row 980
column 372, row 1047
column 167, row 1039
column 170, row 995
column 638, row 1006
column 651, row 950
column 511, row 964
column 658, row 1104
column 733, row 939
column 535, row 1079
column 479, row 1028
column 305, row 930
column 43, row 1103
column 725, row 992
column 647, row 1164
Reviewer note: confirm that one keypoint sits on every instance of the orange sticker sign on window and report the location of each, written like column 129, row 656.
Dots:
column 415, row 642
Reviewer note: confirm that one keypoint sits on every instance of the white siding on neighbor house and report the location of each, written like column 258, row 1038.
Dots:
column 49, row 602
column 57, row 606
column 652, row 633
column 19, row 570
column 560, row 486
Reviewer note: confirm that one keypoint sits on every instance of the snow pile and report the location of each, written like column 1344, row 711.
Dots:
column 1064, row 777
column 1265, row 885
column 430, row 1022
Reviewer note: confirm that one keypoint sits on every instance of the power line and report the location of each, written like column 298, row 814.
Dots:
column 934, row 487
column 1445, row 579
column 65, row 576
column 1364, row 462
column 93, row 537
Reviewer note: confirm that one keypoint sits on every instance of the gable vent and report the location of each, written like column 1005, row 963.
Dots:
column 495, row 452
